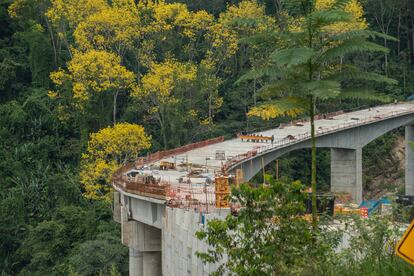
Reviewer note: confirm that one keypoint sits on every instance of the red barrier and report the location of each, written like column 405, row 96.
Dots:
column 159, row 190
column 162, row 189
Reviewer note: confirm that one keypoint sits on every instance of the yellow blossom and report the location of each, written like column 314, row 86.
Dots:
column 354, row 7
column 107, row 150
column 163, row 78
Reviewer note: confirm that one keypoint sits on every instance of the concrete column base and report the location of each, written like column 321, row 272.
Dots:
column 409, row 160
column 136, row 262
column 152, row 264
column 144, row 244
column 346, row 172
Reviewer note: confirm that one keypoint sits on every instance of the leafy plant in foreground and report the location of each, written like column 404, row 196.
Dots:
column 268, row 236
column 311, row 67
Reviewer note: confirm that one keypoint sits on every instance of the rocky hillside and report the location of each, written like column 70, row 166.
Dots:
column 384, row 173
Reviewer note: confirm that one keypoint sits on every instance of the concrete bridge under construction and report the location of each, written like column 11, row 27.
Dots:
column 163, row 199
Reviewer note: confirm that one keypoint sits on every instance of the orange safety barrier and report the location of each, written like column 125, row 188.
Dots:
column 159, row 190
column 256, row 138
column 163, row 189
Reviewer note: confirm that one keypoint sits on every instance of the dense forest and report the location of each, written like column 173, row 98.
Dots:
column 81, row 79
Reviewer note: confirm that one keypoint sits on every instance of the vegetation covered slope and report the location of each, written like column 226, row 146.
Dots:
column 72, row 68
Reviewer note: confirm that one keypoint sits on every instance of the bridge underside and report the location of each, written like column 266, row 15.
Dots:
column 346, row 155
column 147, row 224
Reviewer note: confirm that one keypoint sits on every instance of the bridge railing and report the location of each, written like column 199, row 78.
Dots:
column 163, row 189
column 160, row 189
column 153, row 157
column 288, row 141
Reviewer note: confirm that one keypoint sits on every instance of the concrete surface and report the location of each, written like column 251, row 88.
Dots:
column 348, row 131
column 346, row 172
column 162, row 240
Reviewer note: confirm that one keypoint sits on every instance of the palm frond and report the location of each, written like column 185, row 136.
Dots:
column 322, row 89
column 271, row 71
column 289, row 106
column 340, row 4
column 245, row 22
column 364, row 94
column 293, row 56
column 361, row 34
column 319, row 19
column 277, row 89
column 356, row 74
column 352, row 46
column 261, row 37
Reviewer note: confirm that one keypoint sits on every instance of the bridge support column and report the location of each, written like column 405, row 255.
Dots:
column 346, row 172
column 136, row 262
column 144, row 244
column 117, row 207
column 409, row 160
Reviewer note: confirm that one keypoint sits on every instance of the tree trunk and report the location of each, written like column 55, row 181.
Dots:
column 254, row 92
column 385, row 58
column 84, row 132
column 52, row 39
column 164, row 137
column 210, row 107
column 313, row 168
column 412, row 37
column 163, row 126
column 399, row 34
column 313, row 136
column 114, row 109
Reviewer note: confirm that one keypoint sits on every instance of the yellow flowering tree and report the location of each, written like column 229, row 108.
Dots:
column 207, row 85
column 92, row 73
column 111, row 29
column 309, row 69
column 353, row 7
column 66, row 15
column 238, row 21
column 170, row 26
column 163, row 87
column 227, row 37
column 108, row 150
column 71, row 13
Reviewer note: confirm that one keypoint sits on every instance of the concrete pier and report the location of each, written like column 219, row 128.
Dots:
column 409, row 160
column 346, row 172
column 136, row 262
column 144, row 263
column 152, row 263
column 117, row 207
column 144, row 242
column 146, row 214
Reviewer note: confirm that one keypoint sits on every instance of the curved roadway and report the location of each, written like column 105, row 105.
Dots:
column 204, row 162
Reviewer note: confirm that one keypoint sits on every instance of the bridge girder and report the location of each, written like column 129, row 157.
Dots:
column 353, row 139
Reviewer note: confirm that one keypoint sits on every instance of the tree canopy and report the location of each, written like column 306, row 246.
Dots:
column 86, row 86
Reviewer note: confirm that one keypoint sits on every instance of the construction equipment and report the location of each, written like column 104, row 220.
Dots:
column 222, row 192
column 324, row 204
column 165, row 165
column 220, row 155
column 256, row 138
column 374, row 205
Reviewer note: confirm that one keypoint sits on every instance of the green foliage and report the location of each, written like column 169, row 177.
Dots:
column 48, row 228
column 308, row 56
column 269, row 237
column 268, row 234
column 371, row 249
column 100, row 255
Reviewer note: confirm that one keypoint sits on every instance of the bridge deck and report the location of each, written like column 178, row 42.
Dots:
column 204, row 159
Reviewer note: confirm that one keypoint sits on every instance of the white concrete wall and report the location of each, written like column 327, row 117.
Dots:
column 179, row 244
